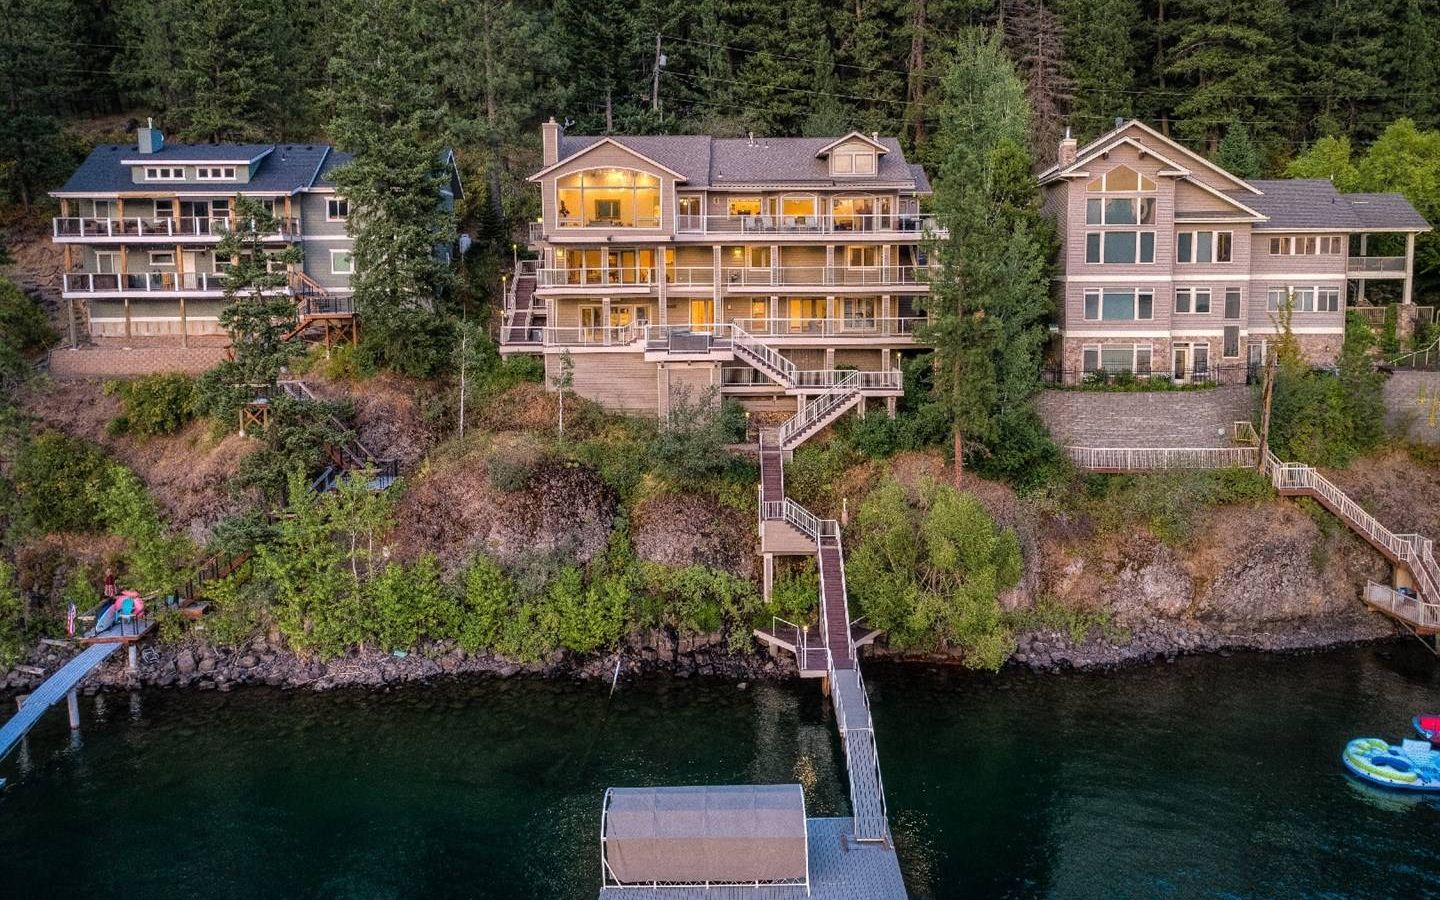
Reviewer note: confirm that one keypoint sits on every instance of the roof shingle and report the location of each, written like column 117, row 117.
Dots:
column 285, row 168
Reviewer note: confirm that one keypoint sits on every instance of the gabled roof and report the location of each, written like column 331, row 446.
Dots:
column 1171, row 152
column 874, row 142
column 627, row 145
column 1245, row 209
column 741, row 163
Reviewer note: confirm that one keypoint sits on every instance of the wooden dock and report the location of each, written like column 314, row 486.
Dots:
column 51, row 691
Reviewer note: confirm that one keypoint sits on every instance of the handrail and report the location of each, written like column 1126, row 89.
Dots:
column 1407, row 360
column 835, row 397
column 1143, row 459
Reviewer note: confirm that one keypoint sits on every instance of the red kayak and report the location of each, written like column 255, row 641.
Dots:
column 1427, row 726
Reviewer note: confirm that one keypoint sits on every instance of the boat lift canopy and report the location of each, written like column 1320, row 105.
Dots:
column 746, row 834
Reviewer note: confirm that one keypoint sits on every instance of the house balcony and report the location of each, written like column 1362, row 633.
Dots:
column 906, row 279
column 1375, row 267
column 853, row 330
column 182, row 229
column 141, row 284
column 744, row 379
column 777, row 228
column 857, row 224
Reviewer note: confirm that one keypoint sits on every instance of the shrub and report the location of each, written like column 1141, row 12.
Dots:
column 13, row 638
column 58, row 482
column 509, row 470
column 155, row 559
column 154, row 405
column 409, row 603
column 23, row 331
column 703, row 600
column 1172, row 505
column 691, row 447
column 1324, row 418
column 931, row 572
column 795, row 594
column 489, row 596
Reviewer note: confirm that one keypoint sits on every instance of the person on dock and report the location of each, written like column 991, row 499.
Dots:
column 109, row 591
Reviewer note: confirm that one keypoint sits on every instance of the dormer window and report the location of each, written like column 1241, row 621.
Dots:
column 164, row 173
column 852, row 161
column 215, row 173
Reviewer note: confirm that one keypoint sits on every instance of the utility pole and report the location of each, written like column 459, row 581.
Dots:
column 655, row 82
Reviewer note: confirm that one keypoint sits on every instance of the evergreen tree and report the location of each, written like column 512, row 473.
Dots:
column 1232, row 61
column 385, row 112
column 258, row 314
column 1341, row 43
column 989, row 303
column 1413, row 58
column 1033, row 36
column 1100, row 62
column 871, row 63
column 218, row 69
column 1237, row 154
column 36, row 59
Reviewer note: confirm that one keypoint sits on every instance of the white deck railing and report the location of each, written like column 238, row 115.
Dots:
column 824, row 407
column 1410, row 609
column 1149, row 459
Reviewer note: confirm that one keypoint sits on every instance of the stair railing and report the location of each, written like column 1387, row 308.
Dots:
column 838, row 395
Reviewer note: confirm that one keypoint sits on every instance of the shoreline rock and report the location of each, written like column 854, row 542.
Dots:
column 261, row 662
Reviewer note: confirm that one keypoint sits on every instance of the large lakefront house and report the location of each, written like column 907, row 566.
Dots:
column 139, row 224
column 1171, row 265
column 768, row 269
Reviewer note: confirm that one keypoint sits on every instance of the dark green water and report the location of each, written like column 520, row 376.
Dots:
column 1210, row 777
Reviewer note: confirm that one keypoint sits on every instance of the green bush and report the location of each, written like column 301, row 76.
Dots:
column 1172, row 505
column 930, row 572
column 154, row 405
column 59, row 481
column 13, row 637
column 795, row 595
column 23, row 332
column 155, row 559
column 509, row 471
column 410, row 603
column 691, row 447
column 1325, row 418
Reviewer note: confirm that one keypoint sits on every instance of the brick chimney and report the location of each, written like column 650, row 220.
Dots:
column 550, row 142
column 149, row 138
column 1068, row 149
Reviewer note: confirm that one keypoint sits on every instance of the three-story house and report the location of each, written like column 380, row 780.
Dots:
column 765, row 268
column 1172, row 266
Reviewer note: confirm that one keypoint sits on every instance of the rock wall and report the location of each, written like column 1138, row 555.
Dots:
column 1201, row 418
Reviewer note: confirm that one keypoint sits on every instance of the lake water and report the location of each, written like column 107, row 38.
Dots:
column 1209, row 777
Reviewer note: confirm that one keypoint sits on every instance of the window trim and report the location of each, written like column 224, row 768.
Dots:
column 171, row 173
column 1225, row 334
column 155, row 263
column 350, row 252
column 1099, row 294
column 209, row 173
column 1139, row 245
column 1194, row 242
column 1193, row 301
column 1135, row 350
column 334, row 203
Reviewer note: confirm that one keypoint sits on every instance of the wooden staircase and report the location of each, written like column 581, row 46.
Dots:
column 845, row 392
column 1418, row 607
column 524, row 319
column 347, row 456
column 320, row 316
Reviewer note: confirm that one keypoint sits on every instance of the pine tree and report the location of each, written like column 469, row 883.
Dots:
column 258, row 314
column 1233, row 62
column 35, row 85
column 989, row 303
column 1237, row 154
column 1033, row 37
column 1413, row 73
column 1341, row 45
column 871, row 63
column 386, row 113
column 1101, row 50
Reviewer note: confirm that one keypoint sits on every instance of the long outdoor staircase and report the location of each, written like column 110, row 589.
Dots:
column 346, row 456
column 833, row 654
column 1415, row 606
column 523, row 322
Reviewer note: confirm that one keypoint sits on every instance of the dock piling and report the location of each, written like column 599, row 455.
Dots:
column 72, row 704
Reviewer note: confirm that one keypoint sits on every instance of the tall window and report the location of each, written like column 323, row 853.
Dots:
column 1119, row 304
column 608, row 198
column 1118, row 199
column 1232, row 303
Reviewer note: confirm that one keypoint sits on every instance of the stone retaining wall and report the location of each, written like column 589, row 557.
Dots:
column 110, row 362
column 1200, row 418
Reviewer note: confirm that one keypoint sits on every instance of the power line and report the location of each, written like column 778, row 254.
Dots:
column 1146, row 92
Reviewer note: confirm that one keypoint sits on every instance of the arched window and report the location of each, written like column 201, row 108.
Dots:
column 608, row 198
